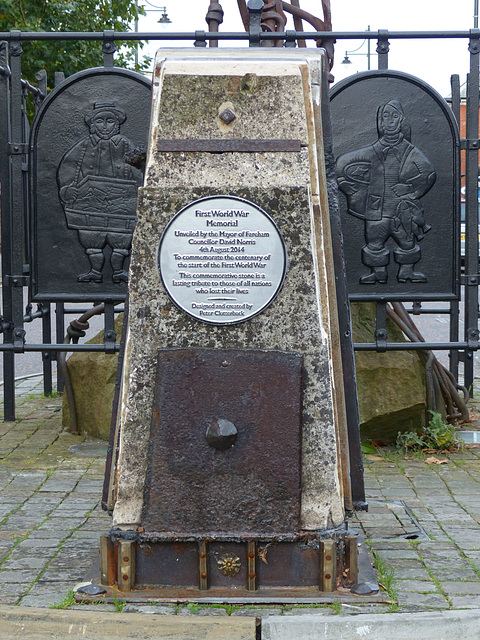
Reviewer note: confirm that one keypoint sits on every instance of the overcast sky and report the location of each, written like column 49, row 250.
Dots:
column 434, row 60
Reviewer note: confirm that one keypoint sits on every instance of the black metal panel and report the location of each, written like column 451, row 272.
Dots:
column 251, row 488
column 84, row 191
column 397, row 148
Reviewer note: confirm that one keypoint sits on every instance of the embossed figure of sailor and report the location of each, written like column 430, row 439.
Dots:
column 98, row 191
column 384, row 183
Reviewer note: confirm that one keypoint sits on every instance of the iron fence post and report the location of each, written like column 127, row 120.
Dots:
column 108, row 48
column 383, row 47
column 471, row 210
column 5, row 178
column 255, row 8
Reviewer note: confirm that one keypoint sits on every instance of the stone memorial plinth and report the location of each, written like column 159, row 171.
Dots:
column 232, row 471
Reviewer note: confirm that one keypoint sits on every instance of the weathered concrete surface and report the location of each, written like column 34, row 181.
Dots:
column 93, row 376
column 390, row 385
column 40, row 624
column 440, row 625
column 272, row 99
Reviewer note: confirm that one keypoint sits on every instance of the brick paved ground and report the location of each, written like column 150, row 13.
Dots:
column 49, row 503
column 50, row 520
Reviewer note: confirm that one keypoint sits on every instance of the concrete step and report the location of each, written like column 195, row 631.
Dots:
column 431, row 625
column 40, row 624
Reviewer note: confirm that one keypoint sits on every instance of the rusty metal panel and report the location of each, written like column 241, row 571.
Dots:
column 228, row 565
column 287, row 563
column 167, row 565
column 252, row 488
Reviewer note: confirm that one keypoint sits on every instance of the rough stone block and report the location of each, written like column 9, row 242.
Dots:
column 93, row 376
column 390, row 385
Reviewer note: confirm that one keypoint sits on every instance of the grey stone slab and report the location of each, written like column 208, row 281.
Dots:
column 419, row 586
column 425, row 601
column 438, row 625
column 20, row 575
column 60, row 575
column 96, row 608
column 393, row 554
column 257, row 612
column 62, row 524
column 461, row 588
column 414, row 573
column 14, row 589
column 305, row 611
column 212, row 611
column 452, row 573
column 40, row 543
column 163, row 610
column 14, row 563
column 465, row 602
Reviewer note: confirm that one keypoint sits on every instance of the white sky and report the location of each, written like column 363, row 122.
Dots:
column 434, row 60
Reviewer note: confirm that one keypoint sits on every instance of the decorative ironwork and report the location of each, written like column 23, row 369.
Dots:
column 229, row 564
column 274, row 19
column 98, row 191
column 384, row 183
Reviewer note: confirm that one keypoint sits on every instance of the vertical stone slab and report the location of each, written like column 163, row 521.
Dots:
column 270, row 153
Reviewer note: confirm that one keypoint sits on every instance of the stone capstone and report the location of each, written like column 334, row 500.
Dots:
column 391, row 385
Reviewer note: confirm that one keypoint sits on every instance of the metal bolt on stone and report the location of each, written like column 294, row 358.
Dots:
column 227, row 116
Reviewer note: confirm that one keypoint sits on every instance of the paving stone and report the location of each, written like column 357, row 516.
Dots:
column 420, row 600
column 14, row 589
column 96, row 608
column 446, row 575
column 24, row 563
column 21, row 575
column 40, row 543
column 461, row 588
column 260, row 612
column 392, row 554
column 415, row 585
column 465, row 602
column 60, row 575
column 163, row 610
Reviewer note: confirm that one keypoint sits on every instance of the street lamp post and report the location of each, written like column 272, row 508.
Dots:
column 164, row 19
column 347, row 60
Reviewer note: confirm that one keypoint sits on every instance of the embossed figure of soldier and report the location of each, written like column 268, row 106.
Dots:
column 384, row 183
column 98, row 191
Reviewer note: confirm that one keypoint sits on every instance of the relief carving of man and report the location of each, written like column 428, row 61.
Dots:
column 384, row 183
column 98, row 191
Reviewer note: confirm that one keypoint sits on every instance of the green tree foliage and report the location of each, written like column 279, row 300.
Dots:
column 70, row 15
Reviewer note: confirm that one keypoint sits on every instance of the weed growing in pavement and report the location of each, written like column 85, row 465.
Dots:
column 49, row 396
column 337, row 608
column 438, row 435
column 50, row 471
column 117, row 602
column 386, row 579
column 66, row 602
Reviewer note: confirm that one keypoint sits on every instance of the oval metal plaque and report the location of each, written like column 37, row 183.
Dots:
column 222, row 259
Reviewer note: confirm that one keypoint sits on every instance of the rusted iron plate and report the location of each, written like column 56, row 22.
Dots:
column 240, row 145
column 176, row 564
column 167, row 565
column 287, row 563
column 249, row 489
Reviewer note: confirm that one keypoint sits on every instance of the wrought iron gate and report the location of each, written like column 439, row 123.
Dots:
column 19, row 230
